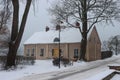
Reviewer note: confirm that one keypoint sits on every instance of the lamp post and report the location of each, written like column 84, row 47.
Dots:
column 59, row 49
column 58, row 27
column 58, row 40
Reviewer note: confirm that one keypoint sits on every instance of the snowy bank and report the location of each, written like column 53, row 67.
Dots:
column 44, row 66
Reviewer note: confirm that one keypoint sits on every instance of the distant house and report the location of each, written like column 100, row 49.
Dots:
column 41, row 45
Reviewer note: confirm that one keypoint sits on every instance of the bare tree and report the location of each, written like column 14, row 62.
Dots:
column 85, row 13
column 4, row 40
column 16, row 31
column 114, row 42
column 105, row 46
column 5, row 15
column 5, row 19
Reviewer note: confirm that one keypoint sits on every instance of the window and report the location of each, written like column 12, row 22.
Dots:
column 76, row 53
column 61, row 52
column 41, row 52
column 52, row 52
column 28, row 52
column 33, row 52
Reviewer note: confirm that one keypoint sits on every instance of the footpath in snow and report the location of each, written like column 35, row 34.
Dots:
column 44, row 70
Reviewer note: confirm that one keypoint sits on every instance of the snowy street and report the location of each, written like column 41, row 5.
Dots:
column 95, row 70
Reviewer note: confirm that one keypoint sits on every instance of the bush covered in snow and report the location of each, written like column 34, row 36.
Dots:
column 20, row 60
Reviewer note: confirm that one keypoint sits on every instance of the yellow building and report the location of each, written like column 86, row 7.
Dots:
column 41, row 45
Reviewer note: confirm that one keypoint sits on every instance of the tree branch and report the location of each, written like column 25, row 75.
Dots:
column 22, row 26
column 15, row 21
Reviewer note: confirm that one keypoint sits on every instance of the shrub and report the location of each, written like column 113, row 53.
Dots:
column 55, row 61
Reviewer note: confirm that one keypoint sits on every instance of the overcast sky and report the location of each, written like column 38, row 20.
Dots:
column 41, row 18
column 38, row 19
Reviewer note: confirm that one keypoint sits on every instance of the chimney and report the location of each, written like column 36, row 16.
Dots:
column 47, row 28
column 77, row 24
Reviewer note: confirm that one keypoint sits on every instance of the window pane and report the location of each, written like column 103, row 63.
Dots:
column 41, row 52
column 76, row 53
column 33, row 51
column 28, row 52
column 52, row 52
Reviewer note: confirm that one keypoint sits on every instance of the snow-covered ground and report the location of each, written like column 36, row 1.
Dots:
column 116, row 77
column 41, row 66
column 94, row 70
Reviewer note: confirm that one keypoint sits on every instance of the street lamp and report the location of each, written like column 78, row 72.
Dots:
column 58, row 40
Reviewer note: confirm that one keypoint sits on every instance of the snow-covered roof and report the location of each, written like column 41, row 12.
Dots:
column 69, row 35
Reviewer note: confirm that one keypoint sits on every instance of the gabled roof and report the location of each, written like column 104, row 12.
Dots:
column 69, row 35
column 94, row 28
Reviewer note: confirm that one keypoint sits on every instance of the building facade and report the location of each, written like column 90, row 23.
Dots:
column 41, row 45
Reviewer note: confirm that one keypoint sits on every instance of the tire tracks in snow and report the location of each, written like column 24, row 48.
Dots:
column 59, row 75
column 82, row 70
